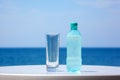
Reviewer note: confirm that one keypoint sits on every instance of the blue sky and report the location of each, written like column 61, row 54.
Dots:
column 24, row 23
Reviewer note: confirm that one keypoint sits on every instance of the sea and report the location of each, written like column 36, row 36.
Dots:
column 37, row 56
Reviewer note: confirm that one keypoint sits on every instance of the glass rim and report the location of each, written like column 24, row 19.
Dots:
column 52, row 34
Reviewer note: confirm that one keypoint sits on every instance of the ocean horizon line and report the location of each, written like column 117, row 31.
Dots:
column 65, row 47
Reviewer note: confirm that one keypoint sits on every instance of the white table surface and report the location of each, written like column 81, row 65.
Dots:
column 38, row 72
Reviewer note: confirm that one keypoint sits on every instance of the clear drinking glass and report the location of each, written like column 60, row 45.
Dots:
column 52, row 51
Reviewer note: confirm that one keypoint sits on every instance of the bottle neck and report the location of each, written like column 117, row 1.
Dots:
column 73, row 27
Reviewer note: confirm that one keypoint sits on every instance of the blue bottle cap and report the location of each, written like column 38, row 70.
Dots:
column 74, row 26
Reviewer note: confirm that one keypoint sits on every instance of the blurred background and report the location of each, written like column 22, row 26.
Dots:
column 24, row 24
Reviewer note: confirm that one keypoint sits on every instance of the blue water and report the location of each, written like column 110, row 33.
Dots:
column 36, row 56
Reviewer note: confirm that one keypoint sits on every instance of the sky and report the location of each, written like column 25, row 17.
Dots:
column 25, row 23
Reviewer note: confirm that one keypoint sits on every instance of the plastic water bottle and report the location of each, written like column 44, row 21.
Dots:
column 74, row 58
